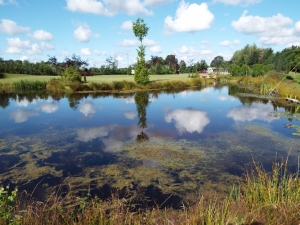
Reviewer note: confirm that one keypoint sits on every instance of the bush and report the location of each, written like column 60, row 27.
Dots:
column 71, row 74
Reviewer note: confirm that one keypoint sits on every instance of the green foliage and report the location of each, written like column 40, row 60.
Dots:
column 7, row 205
column 257, row 70
column 217, row 61
column 140, row 71
column 140, row 29
column 234, row 69
column 71, row 74
column 29, row 85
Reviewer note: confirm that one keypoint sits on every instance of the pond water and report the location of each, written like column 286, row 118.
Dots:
column 182, row 144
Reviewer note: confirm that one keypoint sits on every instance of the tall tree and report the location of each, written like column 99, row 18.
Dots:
column 217, row 61
column 172, row 63
column 140, row 30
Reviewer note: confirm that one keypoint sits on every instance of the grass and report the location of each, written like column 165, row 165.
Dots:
column 261, row 198
column 10, row 78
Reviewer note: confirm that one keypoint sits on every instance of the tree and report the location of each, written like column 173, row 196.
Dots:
column 182, row 66
column 217, row 61
column 112, row 64
column 172, row 63
column 142, row 101
column 140, row 30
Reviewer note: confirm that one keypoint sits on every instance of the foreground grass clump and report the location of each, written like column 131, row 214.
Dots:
column 262, row 198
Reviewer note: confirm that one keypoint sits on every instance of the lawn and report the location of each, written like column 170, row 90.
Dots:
column 10, row 78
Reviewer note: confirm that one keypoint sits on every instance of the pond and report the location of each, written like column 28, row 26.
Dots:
column 163, row 146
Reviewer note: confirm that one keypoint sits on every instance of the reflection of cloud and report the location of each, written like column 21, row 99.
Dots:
column 112, row 136
column 256, row 111
column 87, row 108
column 187, row 120
column 130, row 115
column 226, row 97
column 24, row 102
column 21, row 115
column 128, row 100
column 48, row 107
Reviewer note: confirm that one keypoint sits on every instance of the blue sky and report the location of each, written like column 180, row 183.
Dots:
column 190, row 29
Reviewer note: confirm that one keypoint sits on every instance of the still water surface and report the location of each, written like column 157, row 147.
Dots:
column 187, row 143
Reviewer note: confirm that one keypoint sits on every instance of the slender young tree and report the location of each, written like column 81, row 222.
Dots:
column 140, row 30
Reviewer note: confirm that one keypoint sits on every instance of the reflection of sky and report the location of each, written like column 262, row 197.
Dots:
column 21, row 115
column 48, row 107
column 187, row 120
column 226, row 98
column 255, row 112
column 112, row 136
column 130, row 115
column 87, row 108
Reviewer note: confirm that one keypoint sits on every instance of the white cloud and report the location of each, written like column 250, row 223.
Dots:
column 85, row 51
column 98, row 53
column 11, row 27
column 238, row 2
column 39, row 49
column 206, row 42
column 275, row 30
column 155, row 3
column 21, row 115
column 187, row 120
column 87, row 108
column 109, row 7
column 86, row 6
column 256, row 112
column 225, row 43
column 155, row 49
column 236, row 42
column 24, row 58
column 128, row 42
column 17, row 46
column 189, row 18
column 14, row 2
column 41, row 35
column 83, row 34
column 127, row 25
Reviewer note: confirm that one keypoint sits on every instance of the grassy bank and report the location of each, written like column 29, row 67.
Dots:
column 261, row 198
column 285, row 85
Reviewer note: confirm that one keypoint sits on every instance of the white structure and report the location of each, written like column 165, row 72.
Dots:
column 209, row 70
column 132, row 72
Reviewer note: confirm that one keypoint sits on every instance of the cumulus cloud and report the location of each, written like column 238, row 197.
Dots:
column 236, row 41
column 11, row 27
column 17, row 46
column 127, row 25
column 189, row 18
column 41, row 35
column 256, row 112
column 110, row 7
column 274, row 30
column 83, row 33
column 148, row 42
column 87, row 108
column 187, row 120
column 22, row 115
column 225, row 43
column 155, row 3
column 238, row 2
column 85, row 51
column 155, row 49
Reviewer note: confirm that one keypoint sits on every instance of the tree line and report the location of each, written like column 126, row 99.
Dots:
column 251, row 60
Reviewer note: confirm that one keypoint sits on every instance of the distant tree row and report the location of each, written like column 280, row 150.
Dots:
column 254, row 61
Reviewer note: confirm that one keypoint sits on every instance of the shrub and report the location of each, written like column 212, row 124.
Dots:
column 71, row 74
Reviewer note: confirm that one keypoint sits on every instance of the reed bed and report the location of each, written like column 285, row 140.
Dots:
column 261, row 198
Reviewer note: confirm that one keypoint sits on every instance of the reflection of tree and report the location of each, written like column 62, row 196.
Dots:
column 142, row 101
column 4, row 100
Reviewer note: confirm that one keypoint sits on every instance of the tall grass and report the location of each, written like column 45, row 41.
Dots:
column 261, row 198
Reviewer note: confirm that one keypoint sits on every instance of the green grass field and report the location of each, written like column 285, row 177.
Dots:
column 10, row 78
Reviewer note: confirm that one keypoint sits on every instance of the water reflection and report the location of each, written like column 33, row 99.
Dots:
column 142, row 101
column 255, row 112
column 22, row 115
column 187, row 120
column 88, row 109
column 48, row 107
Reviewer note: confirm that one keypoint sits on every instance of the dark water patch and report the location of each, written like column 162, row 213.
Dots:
column 22, row 164
column 41, row 187
column 8, row 161
column 93, row 159
column 69, row 169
